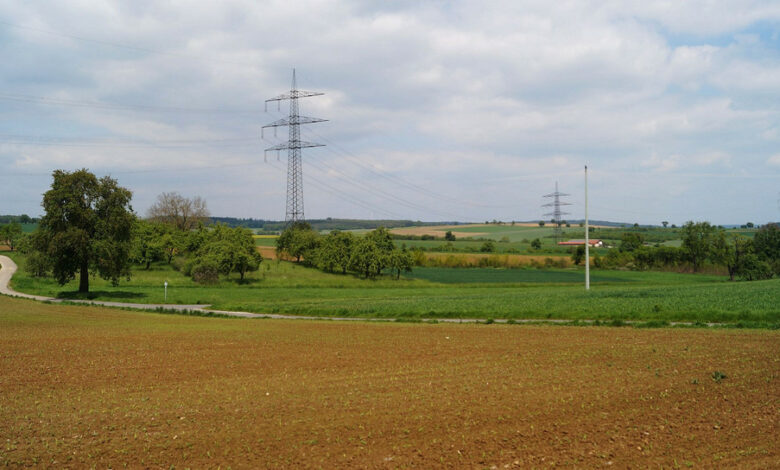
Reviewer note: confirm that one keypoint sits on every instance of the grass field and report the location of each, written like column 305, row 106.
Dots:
column 89, row 387
column 282, row 287
column 493, row 276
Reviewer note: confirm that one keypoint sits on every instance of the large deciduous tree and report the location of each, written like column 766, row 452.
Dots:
column 87, row 228
column 179, row 211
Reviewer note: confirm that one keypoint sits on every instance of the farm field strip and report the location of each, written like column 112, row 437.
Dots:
column 287, row 289
column 109, row 388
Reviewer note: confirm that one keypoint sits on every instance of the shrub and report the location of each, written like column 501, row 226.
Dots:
column 751, row 268
column 488, row 247
column 37, row 264
column 206, row 271
column 178, row 264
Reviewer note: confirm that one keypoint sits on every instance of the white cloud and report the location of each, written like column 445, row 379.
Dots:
column 442, row 96
column 774, row 160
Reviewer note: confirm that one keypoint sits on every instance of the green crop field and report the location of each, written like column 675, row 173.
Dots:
column 492, row 275
column 282, row 287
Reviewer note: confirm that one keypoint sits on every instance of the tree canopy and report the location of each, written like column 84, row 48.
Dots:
column 179, row 211
column 87, row 228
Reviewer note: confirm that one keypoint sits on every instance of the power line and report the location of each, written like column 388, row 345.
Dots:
column 377, row 191
column 45, row 141
column 321, row 185
column 43, row 100
column 121, row 46
column 400, row 181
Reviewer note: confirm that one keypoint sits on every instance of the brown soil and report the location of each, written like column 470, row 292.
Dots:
column 268, row 252
column 86, row 386
column 439, row 231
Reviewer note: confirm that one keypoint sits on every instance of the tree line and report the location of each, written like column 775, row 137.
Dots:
column 89, row 228
column 342, row 252
column 702, row 245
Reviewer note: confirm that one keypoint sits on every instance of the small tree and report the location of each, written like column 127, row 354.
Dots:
column 298, row 241
column 449, row 236
column 536, row 244
column 541, row 223
column 664, row 223
column 146, row 243
column 172, row 242
column 11, row 234
column 767, row 242
column 400, row 261
column 631, row 241
column 697, row 241
column 334, row 251
column 231, row 250
column 367, row 258
column 578, row 254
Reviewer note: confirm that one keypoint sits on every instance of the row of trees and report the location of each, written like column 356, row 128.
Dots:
column 203, row 253
column 342, row 252
column 704, row 245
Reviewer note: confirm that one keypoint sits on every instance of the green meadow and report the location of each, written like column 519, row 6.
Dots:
column 283, row 287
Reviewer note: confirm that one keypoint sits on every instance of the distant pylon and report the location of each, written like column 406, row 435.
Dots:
column 556, row 213
column 294, row 209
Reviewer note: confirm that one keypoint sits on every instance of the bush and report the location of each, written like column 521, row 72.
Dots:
column 751, row 268
column 206, row 271
column 179, row 264
column 488, row 247
column 37, row 264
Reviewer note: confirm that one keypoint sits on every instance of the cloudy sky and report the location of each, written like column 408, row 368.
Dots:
column 437, row 110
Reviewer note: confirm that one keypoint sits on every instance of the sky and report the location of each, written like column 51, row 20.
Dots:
column 436, row 110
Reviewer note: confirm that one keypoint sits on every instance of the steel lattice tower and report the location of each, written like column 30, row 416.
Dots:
column 556, row 213
column 294, row 209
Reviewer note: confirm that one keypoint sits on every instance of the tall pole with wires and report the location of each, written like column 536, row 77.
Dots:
column 556, row 213
column 587, row 235
column 294, row 144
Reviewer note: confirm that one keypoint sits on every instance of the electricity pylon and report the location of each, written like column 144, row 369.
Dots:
column 556, row 213
column 294, row 209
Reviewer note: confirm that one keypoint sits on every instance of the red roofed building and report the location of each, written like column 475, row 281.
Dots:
column 581, row 242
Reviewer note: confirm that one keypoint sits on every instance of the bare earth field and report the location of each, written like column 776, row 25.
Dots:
column 440, row 230
column 87, row 386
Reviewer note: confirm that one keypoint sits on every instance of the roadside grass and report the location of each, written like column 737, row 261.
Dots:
column 282, row 287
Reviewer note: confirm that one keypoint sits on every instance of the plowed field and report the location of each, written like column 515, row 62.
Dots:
column 84, row 386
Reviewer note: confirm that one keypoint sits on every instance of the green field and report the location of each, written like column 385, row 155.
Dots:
column 282, row 287
column 493, row 275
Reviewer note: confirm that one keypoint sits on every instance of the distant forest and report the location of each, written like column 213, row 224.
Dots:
column 324, row 224
column 19, row 219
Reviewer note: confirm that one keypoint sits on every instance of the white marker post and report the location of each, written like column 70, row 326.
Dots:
column 166, row 292
column 587, row 235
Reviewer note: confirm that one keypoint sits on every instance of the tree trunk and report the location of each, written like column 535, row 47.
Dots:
column 84, row 278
